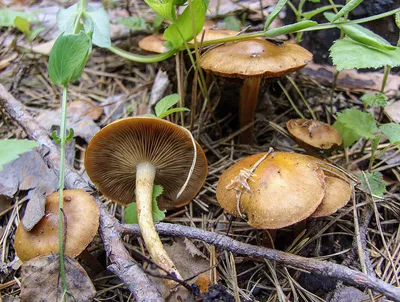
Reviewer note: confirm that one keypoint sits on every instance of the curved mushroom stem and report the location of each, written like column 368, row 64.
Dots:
column 145, row 174
column 248, row 104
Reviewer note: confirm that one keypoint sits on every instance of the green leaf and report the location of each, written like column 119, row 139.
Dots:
column 353, row 124
column 182, row 28
column 7, row 17
column 135, row 23
column 348, row 135
column 11, row 148
column 274, row 13
column 131, row 213
column 158, row 20
column 67, row 58
column 308, row 15
column 165, row 8
column 288, row 29
column 365, row 36
column 392, row 131
column 232, row 22
column 376, row 183
column 397, row 19
column 97, row 21
column 348, row 54
column 70, row 135
column 377, row 99
column 56, row 138
column 165, row 103
column 34, row 33
column 352, row 4
column 66, row 18
column 22, row 24
column 174, row 110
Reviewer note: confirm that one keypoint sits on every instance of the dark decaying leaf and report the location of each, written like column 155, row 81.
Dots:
column 40, row 280
column 35, row 209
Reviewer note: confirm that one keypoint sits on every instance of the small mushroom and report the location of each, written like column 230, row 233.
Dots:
column 314, row 133
column 82, row 219
column 283, row 189
column 252, row 60
column 153, row 43
column 128, row 156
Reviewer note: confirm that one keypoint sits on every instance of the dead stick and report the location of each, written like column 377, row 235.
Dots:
column 122, row 263
column 323, row 268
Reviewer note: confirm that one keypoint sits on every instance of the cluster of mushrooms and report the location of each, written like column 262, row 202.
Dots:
column 127, row 157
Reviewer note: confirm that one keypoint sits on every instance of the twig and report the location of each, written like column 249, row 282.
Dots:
column 122, row 263
column 323, row 268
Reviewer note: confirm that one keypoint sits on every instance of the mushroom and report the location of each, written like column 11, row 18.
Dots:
column 252, row 60
column 314, row 133
column 128, row 156
column 82, row 218
column 284, row 188
column 153, row 43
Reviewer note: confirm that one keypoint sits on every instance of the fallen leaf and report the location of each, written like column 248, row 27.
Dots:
column 35, row 209
column 393, row 111
column 40, row 280
column 80, row 117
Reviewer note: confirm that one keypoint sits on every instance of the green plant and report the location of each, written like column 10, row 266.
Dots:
column 10, row 149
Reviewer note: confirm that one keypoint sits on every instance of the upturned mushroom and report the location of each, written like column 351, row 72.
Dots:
column 82, row 216
column 314, row 133
column 272, row 190
column 252, row 60
column 128, row 156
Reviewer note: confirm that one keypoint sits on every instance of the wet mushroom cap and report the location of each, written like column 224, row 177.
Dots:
column 255, row 57
column 153, row 43
column 314, row 133
column 82, row 222
column 338, row 193
column 285, row 189
column 113, row 153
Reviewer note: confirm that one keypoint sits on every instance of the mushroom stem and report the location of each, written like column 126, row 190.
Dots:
column 248, row 104
column 145, row 174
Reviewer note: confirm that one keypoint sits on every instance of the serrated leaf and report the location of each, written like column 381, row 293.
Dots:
column 274, row 13
column 377, row 99
column 97, row 20
column 348, row 135
column 67, row 58
column 135, row 22
column 353, row 124
column 232, row 22
column 10, row 149
column 165, row 103
column 66, row 18
column 182, row 29
column 22, row 24
column 365, row 36
column 376, row 183
column 131, row 213
column 352, row 4
column 8, row 16
column 392, row 131
column 348, row 54
column 165, row 8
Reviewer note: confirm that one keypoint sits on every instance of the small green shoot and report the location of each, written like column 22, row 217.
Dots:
column 232, row 22
column 350, row 5
column 275, row 12
column 134, row 23
column 163, row 107
column 377, row 99
column 376, row 183
column 158, row 215
column 10, row 149
column 7, row 17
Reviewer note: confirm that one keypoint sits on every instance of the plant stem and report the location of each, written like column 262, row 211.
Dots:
column 63, row 129
column 145, row 174
column 290, row 100
column 139, row 58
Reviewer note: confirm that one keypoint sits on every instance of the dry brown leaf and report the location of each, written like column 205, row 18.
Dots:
column 40, row 280
column 80, row 117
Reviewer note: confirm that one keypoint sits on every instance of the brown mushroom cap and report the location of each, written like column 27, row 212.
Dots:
column 113, row 153
column 314, row 133
column 285, row 189
column 82, row 223
column 338, row 193
column 255, row 57
column 153, row 43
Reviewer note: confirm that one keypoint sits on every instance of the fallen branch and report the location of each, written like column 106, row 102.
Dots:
column 323, row 268
column 123, row 265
